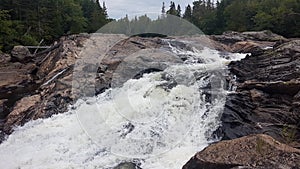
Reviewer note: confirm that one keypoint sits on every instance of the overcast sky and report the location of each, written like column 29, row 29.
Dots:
column 119, row 8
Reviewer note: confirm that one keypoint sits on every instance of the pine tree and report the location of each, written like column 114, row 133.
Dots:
column 188, row 13
column 172, row 10
column 6, row 30
column 163, row 9
column 104, row 9
column 178, row 11
column 30, row 21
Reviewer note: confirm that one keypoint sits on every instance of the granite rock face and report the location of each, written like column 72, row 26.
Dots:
column 267, row 96
column 248, row 42
column 37, row 86
column 251, row 152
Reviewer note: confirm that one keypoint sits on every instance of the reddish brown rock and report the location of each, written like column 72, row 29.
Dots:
column 21, row 112
column 254, row 151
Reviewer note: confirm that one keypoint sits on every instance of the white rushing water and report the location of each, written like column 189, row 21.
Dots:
column 151, row 121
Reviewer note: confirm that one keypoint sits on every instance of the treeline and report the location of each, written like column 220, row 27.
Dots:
column 29, row 22
column 215, row 17
column 163, row 25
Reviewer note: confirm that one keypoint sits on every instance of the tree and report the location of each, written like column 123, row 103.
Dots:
column 172, row 10
column 31, row 21
column 163, row 9
column 178, row 11
column 6, row 31
column 188, row 13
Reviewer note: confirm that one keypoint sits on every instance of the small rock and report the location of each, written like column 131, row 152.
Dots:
column 4, row 58
column 256, row 95
column 127, row 165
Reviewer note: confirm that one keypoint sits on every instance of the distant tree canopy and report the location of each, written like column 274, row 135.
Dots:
column 215, row 17
column 166, row 24
column 173, row 10
column 27, row 22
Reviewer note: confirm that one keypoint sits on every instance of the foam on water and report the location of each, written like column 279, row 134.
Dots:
column 147, row 120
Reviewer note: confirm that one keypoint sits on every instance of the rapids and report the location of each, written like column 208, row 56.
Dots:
column 157, row 121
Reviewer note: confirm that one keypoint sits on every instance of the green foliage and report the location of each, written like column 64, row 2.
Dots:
column 6, row 31
column 173, row 10
column 279, row 16
column 188, row 13
column 289, row 134
column 27, row 22
column 238, row 19
column 28, row 40
column 260, row 145
column 96, row 16
column 168, row 25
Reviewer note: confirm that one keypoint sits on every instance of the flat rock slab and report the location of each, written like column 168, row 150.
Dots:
column 254, row 151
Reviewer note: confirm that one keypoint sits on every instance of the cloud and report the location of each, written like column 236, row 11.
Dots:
column 119, row 8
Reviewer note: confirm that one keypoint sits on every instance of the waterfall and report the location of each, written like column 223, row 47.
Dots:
column 157, row 121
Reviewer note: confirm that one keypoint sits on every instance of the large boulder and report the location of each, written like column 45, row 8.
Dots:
column 251, row 152
column 143, row 61
column 21, row 54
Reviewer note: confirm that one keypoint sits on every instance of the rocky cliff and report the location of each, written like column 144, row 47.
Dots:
column 27, row 88
column 266, row 101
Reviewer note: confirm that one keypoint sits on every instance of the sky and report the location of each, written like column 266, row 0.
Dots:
column 119, row 8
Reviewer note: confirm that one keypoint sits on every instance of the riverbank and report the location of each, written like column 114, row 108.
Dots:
column 266, row 100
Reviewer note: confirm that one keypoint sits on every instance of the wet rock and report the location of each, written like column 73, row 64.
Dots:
column 282, row 64
column 254, row 151
column 127, row 165
column 38, row 87
column 142, row 62
column 21, row 112
column 2, row 108
column 63, row 73
column 130, row 60
column 15, row 75
column 266, row 99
